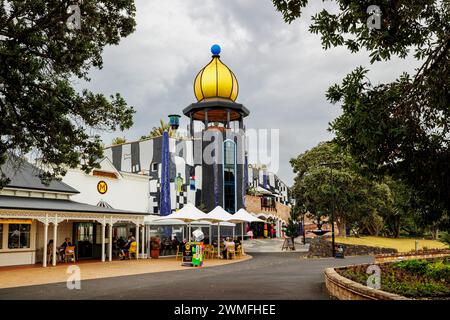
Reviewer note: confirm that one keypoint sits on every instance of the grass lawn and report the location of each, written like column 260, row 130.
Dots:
column 402, row 244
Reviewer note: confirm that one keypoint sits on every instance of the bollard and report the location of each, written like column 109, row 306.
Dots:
column 417, row 245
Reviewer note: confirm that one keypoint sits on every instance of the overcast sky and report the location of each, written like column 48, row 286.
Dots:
column 282, row 70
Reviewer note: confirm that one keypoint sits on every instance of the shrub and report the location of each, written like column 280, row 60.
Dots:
column 414, row 266
column 439, row 271
column 445, row 237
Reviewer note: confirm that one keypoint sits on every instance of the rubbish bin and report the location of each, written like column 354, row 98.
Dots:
column 339, row 251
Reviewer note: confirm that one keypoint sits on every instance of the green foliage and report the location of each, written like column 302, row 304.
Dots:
column 399, row 128
column 359, row 202
column 415, row 266
column 445, row 237
column 118, row 140
column 439, row 271
column 40, row 57
column 411, row 278
column 158, row 131
column 292, row 225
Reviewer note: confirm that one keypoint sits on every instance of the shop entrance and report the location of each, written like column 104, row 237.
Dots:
column 84, row 239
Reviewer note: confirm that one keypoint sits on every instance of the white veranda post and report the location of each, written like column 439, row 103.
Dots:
column 55, row 234
column 110, row 240
column 44, row 258
column 142, row 240
column 103, row 241
column 137, row 240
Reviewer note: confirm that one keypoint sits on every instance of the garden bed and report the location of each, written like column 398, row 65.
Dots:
column 418, row 279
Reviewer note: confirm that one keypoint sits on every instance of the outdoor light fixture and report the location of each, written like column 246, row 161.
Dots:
column 174, row 121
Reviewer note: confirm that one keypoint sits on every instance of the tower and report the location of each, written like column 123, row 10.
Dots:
column 221, row 145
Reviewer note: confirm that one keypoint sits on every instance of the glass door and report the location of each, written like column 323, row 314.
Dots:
column 84, row 239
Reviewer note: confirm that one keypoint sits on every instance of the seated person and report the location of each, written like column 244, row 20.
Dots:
column 120, row 242
column 227, row 244
column 62, row 249
column 125, row 248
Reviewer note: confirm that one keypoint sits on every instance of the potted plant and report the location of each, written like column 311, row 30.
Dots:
column 155, row 245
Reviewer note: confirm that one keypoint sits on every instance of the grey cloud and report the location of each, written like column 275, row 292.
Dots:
column 282, row 69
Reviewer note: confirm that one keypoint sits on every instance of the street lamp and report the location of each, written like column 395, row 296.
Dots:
column 331, row 165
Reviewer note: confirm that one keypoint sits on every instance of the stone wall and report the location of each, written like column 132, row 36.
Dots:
column 253, row 204
column 346, row 289
column 422, row 254
column 321, row 247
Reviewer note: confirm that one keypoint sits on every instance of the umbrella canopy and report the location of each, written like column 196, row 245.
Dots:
column 225, row 224
column 218, row 214
column 165, row 222
column 243, row 216
column 188, row 213
column 201, row 223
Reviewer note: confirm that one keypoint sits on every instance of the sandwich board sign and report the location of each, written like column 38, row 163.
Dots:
column 288, row 244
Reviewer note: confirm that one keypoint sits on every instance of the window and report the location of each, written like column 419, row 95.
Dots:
column 154, row 167
column 19, row 236
column 229, row 176
column 1, row 236
column 268, row 202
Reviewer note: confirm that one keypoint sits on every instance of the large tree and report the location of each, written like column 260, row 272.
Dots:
column 44, row 46
column 400, row 128
column 359, row 202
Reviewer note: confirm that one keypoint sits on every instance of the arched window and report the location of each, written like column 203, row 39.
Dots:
column 229, row 176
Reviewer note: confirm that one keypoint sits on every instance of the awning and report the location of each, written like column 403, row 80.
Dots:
column 263, row 191
column 44, row 204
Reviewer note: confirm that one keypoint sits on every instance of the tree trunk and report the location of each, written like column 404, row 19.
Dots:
column 342, row 227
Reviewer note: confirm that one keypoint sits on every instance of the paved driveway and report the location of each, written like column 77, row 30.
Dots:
column 266, row 276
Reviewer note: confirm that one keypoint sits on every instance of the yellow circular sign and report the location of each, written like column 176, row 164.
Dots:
column 102, row 187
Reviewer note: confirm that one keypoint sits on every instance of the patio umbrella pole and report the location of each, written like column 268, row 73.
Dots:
column 189, row 232
column 210, row 235
column 242, row 242
column 218, row 239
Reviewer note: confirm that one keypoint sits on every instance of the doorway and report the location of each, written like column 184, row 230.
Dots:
column 84, row 235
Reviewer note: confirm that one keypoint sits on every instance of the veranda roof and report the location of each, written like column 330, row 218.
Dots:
column 44, row 204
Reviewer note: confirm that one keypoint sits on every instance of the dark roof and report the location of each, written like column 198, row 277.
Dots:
column 24, row 175
column 28, row 203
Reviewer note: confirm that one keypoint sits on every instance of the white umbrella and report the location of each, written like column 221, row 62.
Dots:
column 218, row 214
column 243, row 216
column 165, row 222
column 188, row 214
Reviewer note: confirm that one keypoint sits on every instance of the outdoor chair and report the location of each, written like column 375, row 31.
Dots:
column 209, row 251
column 69, row 253
column 239, row 251
column 231, row 253
column 179, row 253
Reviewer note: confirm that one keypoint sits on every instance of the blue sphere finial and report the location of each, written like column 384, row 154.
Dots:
column 215, row 49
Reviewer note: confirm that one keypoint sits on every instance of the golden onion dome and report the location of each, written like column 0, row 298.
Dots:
column 216, row 80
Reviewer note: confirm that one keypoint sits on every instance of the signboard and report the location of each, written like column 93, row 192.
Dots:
column 15, row 221
column 288, row 244
column 102, row 187
column 193, row 254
